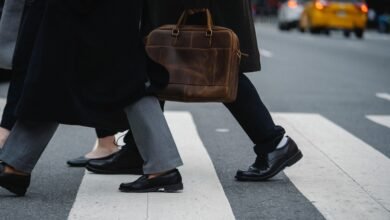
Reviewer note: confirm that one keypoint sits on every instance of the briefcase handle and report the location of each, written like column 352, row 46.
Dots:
column 183, row 20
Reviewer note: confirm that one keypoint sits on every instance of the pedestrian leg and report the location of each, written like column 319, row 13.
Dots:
column 26, row 143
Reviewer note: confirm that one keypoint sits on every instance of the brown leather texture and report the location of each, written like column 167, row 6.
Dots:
column 202, row 61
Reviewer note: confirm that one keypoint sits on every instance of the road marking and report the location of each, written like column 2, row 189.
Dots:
column 266, row 53
column 222, row 130
column 344, row 177
column 3, row 101
column 202, row 198
column 380, row 119
column 383, row 95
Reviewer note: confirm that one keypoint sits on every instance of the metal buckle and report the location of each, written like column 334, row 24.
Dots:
column 175, row 32
column 209, row 33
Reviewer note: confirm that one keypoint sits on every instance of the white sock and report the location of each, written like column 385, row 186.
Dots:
column 282, row 143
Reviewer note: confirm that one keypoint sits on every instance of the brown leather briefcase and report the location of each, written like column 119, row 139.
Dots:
column 202, row 61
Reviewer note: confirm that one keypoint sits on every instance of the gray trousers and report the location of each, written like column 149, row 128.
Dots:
column 28, row 139
column 9, row 29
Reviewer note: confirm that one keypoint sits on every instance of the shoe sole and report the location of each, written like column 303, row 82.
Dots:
column 15, row 190
column 288, row 163
column 130, row 171
column 76, row 165
column 168, row 189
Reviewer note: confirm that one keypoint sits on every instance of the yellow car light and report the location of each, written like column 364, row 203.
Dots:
column 364, row 8
column 292, row 4
column 319, row 5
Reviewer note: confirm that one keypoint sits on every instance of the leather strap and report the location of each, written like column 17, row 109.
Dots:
column 183, row 20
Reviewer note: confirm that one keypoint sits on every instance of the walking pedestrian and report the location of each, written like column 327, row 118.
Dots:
column 273, row 148
column 87, row 70
column 18, row 14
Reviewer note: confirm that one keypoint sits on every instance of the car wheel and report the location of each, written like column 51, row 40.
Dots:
column 315, row 30
column 283, row 27
column 326, row 32
column 359, row 33
column 347, row 34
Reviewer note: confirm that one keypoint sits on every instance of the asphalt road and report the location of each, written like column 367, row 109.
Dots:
column 335, row 77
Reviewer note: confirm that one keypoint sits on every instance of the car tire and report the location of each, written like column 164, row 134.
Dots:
column 359, row 33
column 326, row 32
column 315, row 30
column 346, row 33
column 283, row 27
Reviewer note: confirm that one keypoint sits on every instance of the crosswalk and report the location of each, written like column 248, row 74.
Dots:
column 340, row 174
column 203, row 197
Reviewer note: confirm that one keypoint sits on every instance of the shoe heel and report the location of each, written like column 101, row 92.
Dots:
column 174, row 188
column 18, row 191
column 297, row 157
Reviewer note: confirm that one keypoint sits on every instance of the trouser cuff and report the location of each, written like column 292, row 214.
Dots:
column 162, row 168
column 271, row 142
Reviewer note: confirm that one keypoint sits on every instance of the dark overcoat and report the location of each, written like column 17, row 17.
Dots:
column 233, row 14
column 88, row 63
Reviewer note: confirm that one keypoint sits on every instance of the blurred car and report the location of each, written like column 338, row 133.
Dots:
column 384, row 23
column 347, row 15
column 289, row 14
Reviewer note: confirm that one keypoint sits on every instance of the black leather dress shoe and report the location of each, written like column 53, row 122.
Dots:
column 270, row 165
column 16, row 184
column 82, row 161
column 126, row 161
column 168, row 182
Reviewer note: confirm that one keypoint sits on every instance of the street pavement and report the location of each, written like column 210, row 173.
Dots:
column 330, row 93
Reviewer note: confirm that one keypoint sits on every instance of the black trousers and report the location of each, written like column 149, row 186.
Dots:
column 254, row 117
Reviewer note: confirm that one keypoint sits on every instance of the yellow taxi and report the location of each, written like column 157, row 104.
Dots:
column 324, row 15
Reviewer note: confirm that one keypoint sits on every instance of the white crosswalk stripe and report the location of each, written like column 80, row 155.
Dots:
column 383, row 95
column 2, row 104
column 266, row 53
column 383, row 120
column 344, row 177
column 203, row 197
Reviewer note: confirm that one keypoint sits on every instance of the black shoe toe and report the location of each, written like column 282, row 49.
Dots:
column 126, row 161
column 16, row 184
column 78, row 162
column 168, row 182
column 83, row 161
column 270, row 165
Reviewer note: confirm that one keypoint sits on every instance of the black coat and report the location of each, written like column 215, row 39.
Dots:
column 88, row 63
column 233, row 14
